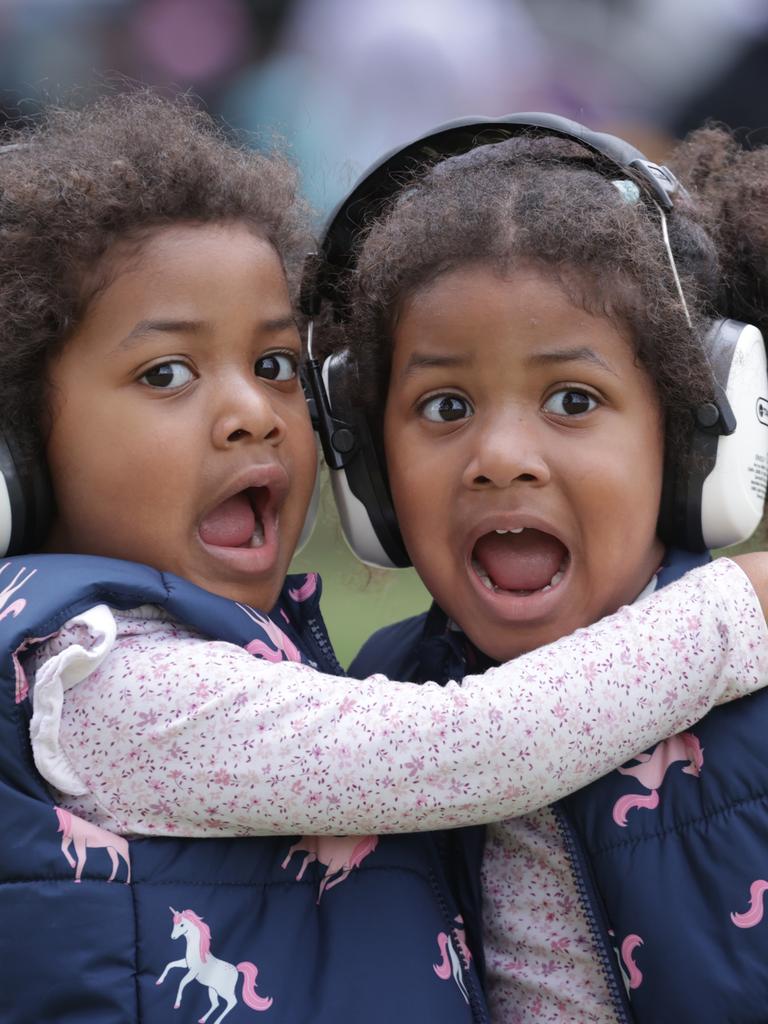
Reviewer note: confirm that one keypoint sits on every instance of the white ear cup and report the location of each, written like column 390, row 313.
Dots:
column 733, row 494
column 5, row 517
column 356, row 524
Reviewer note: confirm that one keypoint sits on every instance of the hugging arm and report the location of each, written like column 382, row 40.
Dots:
column 215, row 742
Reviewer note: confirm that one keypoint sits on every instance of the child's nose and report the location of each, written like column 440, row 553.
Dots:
column 506, row 450
column 246, row 413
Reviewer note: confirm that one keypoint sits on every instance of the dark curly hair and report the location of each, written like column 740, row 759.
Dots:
column 80, row 180
column 546, row 203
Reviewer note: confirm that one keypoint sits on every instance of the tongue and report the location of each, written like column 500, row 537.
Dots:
column 519, row 561
column 231, row 524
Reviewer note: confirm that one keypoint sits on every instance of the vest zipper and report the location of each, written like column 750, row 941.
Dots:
column 327, row 659
column 600, row 941
column 476, row 1005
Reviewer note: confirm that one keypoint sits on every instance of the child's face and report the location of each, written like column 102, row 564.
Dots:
column 180, row 434
column 524, row 447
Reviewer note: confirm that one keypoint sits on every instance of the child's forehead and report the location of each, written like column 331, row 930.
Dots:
column 473, row 316
column 524, row 295
column 178, row 254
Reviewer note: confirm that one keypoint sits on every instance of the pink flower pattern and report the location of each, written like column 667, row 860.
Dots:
column 172, row 724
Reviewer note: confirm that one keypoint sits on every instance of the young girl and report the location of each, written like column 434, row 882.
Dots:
column 148, row 349
column 530, row 341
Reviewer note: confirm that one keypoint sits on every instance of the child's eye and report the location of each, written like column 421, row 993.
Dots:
column 570, row 402
column 446, row 409
column 168, row 375
column 277, row 366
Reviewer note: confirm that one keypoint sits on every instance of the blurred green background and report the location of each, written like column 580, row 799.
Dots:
column 356, row 598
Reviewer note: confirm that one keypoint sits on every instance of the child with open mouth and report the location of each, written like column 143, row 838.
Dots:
column 534, row 335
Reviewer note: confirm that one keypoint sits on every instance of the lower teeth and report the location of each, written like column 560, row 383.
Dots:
column 257, row 538
column 490, row 585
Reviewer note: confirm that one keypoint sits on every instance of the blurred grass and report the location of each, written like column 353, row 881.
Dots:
column 357, row 599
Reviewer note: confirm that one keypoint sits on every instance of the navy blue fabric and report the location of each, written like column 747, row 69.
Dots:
column 419, row 649
column 675, row 875
column 92, row 952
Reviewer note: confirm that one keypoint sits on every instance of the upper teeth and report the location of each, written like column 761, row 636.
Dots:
column 518, row 530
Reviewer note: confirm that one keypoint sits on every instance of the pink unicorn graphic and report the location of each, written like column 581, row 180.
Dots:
column 307, row 589
column 283, row 649
column 653, row 767
column 754, row 915
column 218, row 976
column 338, row 854
column 450, row 963
column 630, row 972
column 83, row 834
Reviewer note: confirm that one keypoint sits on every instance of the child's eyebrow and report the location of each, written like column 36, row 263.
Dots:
column 569, row 355
column 144, row 328
column 422, row 361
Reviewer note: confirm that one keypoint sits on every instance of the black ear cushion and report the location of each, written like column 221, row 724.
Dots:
column 680, row 509
column 30, row 498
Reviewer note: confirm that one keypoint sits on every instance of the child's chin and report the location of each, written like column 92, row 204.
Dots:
column 500, row 646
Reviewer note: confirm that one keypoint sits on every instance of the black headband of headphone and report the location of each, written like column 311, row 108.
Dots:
column 386, row 178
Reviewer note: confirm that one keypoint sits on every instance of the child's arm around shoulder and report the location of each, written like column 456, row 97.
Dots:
column 201, row 738
column 755, row 565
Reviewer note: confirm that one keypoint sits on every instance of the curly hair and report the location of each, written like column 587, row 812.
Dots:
column 547, row 204
column 77, row 182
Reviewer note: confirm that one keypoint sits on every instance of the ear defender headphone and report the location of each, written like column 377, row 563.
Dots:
column 26, row 500
column 716, row 501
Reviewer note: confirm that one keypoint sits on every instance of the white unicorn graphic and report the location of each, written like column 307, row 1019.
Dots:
column 218, row 976
column 450, row 965
column 10, row 589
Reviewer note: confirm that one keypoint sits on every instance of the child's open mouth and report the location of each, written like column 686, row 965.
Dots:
column 522, row 561
column 237, row 522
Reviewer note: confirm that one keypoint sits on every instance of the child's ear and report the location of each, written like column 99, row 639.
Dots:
column 717, row 499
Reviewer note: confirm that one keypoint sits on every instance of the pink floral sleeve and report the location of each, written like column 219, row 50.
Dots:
column 164, row 732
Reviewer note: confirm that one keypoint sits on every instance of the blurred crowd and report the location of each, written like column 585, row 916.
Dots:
column 344, row 80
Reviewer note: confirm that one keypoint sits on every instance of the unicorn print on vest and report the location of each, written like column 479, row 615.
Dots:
column 306, row 590
column 10, row 589
column 339, row 855
column 450, row 965
column 652, row 768
column 14, row 609
column 279, row 648
column 749, row 918
column 218, row 976
column 84, row 835
column 631, row 974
